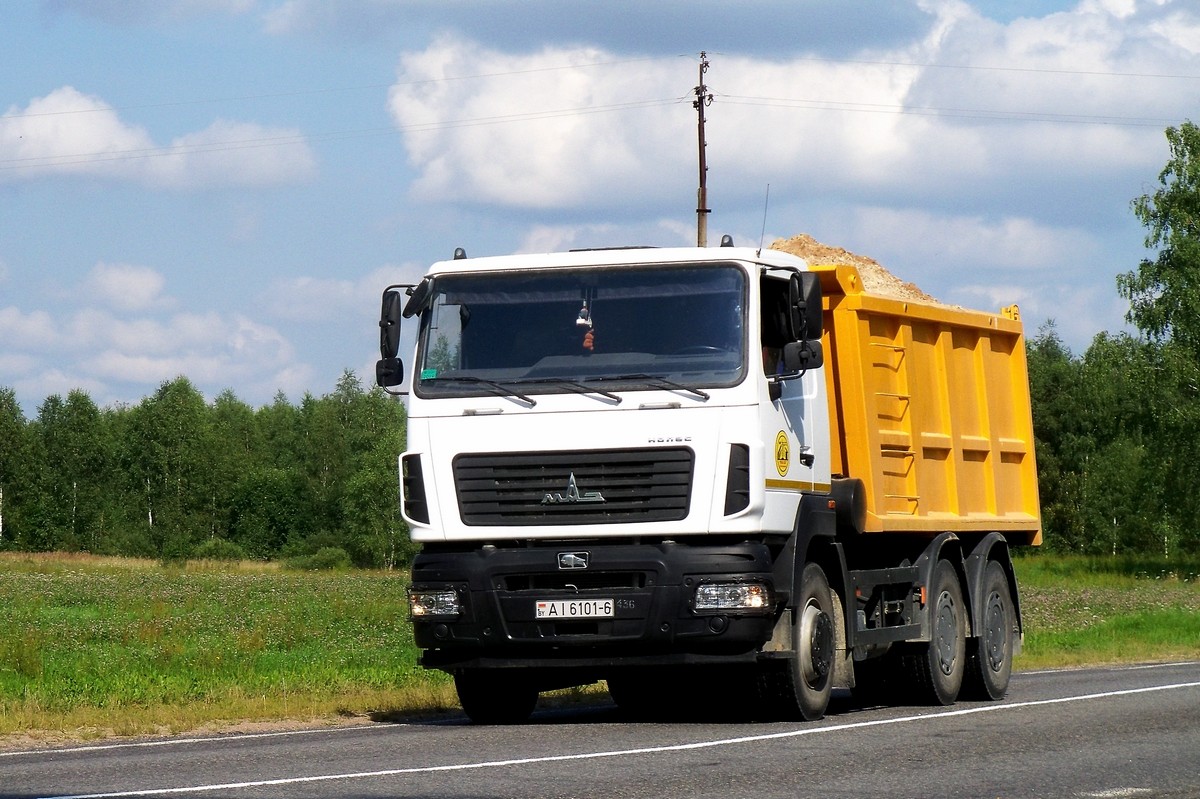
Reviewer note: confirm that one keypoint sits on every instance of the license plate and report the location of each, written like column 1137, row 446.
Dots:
column 567, row 609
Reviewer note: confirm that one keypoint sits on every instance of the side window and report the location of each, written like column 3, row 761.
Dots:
column 773, row 306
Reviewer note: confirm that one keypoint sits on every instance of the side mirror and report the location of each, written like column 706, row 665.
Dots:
column 389, row 372
column 804, row 302
column 418, row 296
column 389, row 323
column 800, row 356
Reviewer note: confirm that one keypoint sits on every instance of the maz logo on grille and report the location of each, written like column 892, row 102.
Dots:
column 572, row 496
column 573, row 560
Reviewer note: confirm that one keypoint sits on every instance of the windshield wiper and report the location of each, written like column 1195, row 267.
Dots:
column 499, row 389
column 654, row 382
column 578, row 387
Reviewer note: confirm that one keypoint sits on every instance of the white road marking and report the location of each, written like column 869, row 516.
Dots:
column 524, row 761
column 1106, row 669
column 180, row 741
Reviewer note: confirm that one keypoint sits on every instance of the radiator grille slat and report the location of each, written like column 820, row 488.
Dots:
column 636, row 485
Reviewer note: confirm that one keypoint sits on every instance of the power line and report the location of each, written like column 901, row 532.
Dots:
column 328, row 90
column 990, row 68
column 75, row 159
column 589, row 65
column 936, row 111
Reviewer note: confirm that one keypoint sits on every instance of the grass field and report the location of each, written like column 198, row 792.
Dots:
column 95, row 646
column 91, row 647
column 1083, row 611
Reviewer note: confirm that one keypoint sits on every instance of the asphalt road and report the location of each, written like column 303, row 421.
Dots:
column 1094, row 733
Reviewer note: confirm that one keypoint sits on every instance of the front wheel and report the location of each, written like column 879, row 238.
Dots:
column 495, row 697
column 989, row 665
column 805, row 682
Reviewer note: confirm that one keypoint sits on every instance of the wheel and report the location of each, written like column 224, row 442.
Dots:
column 495, row 697
column 803, row 685
column 937, row 667
column 989, row 663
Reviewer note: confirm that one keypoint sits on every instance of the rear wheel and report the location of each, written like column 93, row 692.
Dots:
column 989, row 664
column 495, row 697
column 937, row 667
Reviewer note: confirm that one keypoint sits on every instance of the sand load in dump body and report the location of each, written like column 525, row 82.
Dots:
column 930, row 409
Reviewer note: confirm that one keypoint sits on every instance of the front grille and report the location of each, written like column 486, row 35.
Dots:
column 541, row 488
column 577, row 581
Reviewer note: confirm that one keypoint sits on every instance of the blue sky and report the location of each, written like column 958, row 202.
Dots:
column 221, row 188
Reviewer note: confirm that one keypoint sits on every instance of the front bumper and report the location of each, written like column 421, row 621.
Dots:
column 652, row 587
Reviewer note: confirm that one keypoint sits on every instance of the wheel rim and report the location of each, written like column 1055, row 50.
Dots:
column 996, row 632
column 947, row 633
column 816, row 643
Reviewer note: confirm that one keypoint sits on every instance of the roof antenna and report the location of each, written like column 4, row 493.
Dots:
column 763, row 235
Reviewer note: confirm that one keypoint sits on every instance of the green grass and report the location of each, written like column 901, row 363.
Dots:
column 103, row 645
column 1093, row 610
column 91, row 647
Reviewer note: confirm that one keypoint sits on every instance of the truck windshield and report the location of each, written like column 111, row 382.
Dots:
column 552, row 331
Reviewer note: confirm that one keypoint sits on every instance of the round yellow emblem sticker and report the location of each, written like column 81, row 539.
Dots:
column 783, row 453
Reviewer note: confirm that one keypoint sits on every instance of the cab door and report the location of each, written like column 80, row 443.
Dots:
column 795, row 417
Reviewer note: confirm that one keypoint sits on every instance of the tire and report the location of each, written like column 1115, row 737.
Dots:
column 990, row 658
column 495, row 697
column 801, row 685
column 937, row 667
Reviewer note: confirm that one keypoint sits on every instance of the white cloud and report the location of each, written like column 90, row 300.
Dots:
column 126, row 339
column 53, row 380
column 36, row 331
column 556, row 238
column 213, row 350
column 311, row 299
column 235, row 153
column 1013, row 244
column 71, row 133
column 126, row 287
column 660, row 233
column 875, row 125
column 17, row 364
column 205, row 346
column 557, row 157
column 1180, row 29
column 983, row 263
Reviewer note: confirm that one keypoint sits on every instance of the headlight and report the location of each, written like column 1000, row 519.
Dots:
column 427, row 604
column 732, row 596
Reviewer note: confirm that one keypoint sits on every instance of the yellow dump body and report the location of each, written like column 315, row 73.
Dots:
column 929, row 407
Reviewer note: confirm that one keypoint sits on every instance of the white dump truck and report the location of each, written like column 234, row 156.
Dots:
column 702, row 473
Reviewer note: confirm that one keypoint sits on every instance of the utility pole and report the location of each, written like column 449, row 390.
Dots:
column 703, row 99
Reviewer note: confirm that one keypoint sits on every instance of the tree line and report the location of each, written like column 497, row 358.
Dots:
column 176, row 477
column 1118, row 427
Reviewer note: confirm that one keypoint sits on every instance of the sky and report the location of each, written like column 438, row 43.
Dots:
column 220, row 189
